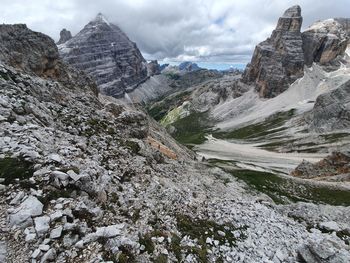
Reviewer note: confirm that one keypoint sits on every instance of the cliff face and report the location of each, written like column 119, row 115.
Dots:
column 279, row 60
column 324, row 41
column 65, row 35
column 104, row 52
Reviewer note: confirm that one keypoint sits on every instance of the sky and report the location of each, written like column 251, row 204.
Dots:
column 206, row 31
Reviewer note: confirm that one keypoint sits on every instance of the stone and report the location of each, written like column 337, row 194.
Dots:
column 108, row 231
column 31, row 237
column 42, row 224
column 18, row 198
column 278, row 61
column 48, row 256
column 44, row 247
column 56, row 215
column 22, row 216
column 55, row 157
column 65, row 35
column 56, row 232
column 36, row 253
column 121, row 61
column 329, row 226
column 75, row 177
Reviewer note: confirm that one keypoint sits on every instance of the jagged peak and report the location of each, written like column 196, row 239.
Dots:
column 100, row 18
column 293, row 11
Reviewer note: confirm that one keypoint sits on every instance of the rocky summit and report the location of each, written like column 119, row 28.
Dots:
column 278, row 61
column 105, row 53
column 65, row 35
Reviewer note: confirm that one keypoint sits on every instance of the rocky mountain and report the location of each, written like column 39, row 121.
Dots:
column 324, row 41
column 105, row 53
column 65, row 35
column 188, row 66
column 88, row 178
column 278, row 61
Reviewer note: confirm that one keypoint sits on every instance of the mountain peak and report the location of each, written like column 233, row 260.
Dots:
column 100, row 18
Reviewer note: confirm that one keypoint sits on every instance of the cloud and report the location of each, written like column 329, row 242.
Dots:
column 201, row 30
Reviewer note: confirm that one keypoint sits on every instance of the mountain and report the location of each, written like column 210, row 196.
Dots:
column 65, row 35
column 105, row 52
column 278, row 61
column 188, row 66
column 85, row 177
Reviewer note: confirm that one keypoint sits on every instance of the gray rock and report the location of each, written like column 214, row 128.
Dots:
column 42, row 224
column 324, row 41
column 109, row 231
column 278, row 61
column 56, row 232
column 22, row 216
column 65, row 35
column 332, row 110
column 48, row 256
column 329, row 226
column 324, row 251
column 120, row 65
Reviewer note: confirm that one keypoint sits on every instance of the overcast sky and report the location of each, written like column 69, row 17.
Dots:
column 175, row 30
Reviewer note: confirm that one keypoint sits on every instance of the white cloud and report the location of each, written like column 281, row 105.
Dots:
column 201, row 30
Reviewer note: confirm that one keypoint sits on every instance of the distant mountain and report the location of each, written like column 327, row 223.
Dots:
column 105, row 52
column 188, row 66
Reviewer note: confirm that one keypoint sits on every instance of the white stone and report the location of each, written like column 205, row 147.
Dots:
column 56, row 232
column 30, row 207
column 209, row 241
column 30, row 237
column 330, row 226
column 42, row 224
column 108, row 231
column 55, row 157
column 36, row 253
column 18, row 198
column 44, row 247
column 221, row 233
column 74, row 176
column 56, row 215
column 160, row 239
column 60, row 175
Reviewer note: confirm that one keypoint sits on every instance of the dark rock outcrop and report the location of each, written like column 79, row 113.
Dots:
column 324, row 41
column 335, row 167
column 27, row 50
column 332, row 110
column 153, row 68
column 104, row 51
column 65, row 35
column 278, row 61
column 36, row 53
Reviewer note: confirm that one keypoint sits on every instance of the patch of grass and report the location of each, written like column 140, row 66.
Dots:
column 201, row 229
column 146, row 240
column 192, row 129
column 162, row 258
column 15, row 168
column 133, row 146
column 279, row 188
column 269, row 126
column 126, row 256
column 175, row 247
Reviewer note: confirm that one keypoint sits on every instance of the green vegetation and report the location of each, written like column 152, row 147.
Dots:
column 15, row 168
column 281, row 189
column 202, row 229
column 192, row 129
column 160, row 109
column 271, row 125
column 146, row 240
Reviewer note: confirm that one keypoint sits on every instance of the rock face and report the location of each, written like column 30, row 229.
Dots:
column 153, row 68
column 188, row 66
column 334, row 167
column 65, row 35
column 325, row 40
column 279, row 60
column 332, row 110
column 28, row 50
column 104, row 52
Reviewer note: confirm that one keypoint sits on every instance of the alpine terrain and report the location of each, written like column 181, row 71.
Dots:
column 105, row 157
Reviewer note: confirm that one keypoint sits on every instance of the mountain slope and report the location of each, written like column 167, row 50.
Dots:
column 104, row 52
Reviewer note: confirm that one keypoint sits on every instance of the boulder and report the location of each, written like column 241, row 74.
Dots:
column 278, row 61
column 22, row 215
